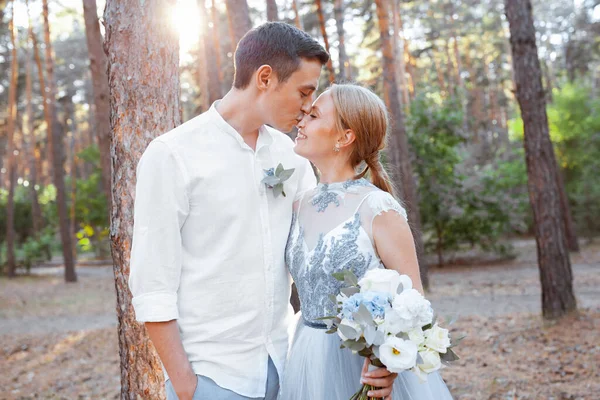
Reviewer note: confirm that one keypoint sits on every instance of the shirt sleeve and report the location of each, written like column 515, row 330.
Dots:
column 307, row 180
column 161, row 208
column 380, row 202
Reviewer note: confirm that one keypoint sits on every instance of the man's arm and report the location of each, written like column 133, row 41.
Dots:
column 161, row 208
column 166, row 340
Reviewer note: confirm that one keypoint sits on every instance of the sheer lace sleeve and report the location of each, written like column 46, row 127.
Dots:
column 376, row 203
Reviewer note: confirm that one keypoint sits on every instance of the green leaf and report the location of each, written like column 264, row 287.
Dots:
column 449, row 356
column 270, row 180
column 339, row 276
column 350, row 291
column 286, row 174
column 277, row 190
column 350, row 278
column 278, row 170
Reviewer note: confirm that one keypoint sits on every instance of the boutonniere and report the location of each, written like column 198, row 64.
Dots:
column 274, row 178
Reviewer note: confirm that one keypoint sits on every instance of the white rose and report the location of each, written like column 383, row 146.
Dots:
column 395, row 323
column 412, row 306
column 431, row 363
column 437, row 339
column 416, row 335
column 384, row 280
column 397, row 354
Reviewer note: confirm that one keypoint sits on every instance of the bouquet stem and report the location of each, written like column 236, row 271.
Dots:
column 362, row 393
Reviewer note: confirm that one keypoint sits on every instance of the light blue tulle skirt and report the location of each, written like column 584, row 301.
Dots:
column 317, row 369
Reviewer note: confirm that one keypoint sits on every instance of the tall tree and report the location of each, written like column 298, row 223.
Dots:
column 56, row 145
column 338, row 12
column 215, row 70
column 272, row 12
column 553, row 256
column 100, row 89
column 12, row 162
column 399, row 151
column 238, row 15
column 143, row 79
column 321, row 15
column 399, row 44
column 29, row 138
column 297, row 19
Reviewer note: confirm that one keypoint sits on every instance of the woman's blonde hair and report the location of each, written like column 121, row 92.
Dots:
column 359, row 109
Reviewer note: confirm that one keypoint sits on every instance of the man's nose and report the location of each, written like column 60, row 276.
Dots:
column 306, row 106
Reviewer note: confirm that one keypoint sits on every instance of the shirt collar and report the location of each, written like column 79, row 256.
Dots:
column 265, row 137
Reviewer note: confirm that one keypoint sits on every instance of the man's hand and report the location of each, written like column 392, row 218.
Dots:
column 185, row 387
column 379, row 378
column 167, row 341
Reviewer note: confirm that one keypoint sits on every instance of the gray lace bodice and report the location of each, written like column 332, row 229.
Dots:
column 332, row 231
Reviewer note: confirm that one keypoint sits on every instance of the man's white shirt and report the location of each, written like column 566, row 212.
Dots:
column 208, row 247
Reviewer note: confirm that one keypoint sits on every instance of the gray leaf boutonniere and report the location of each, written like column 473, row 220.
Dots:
column 274, row 178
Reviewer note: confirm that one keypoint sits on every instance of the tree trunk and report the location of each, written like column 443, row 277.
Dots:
column 399, row 151
column 330, row 70
column 345, row 68
column 143, row 79
column 297, row 19
column 399, row 53
column 239, row 20
column 544, row 193
column 11, row 266
column 30, row 142
column 214, row 70
column 56, row 145
column 100, row 88
column 272, row 12
column 569, row 225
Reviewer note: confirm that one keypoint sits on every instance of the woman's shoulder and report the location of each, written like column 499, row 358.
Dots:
column 379, row 201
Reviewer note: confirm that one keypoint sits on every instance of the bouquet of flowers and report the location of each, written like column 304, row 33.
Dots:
column 383, row 318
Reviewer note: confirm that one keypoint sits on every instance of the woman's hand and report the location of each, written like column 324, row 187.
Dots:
column 380, row 378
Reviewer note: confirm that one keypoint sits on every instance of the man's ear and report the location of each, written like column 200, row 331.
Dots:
column 347, row 138
column 265, row 77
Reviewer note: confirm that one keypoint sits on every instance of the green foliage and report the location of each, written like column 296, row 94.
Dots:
column 574, row 122
column 461, row 200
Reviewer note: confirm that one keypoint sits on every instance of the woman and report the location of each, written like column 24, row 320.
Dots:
column 346, row 222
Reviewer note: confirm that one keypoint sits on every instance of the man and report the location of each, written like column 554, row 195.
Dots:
column 207, row 263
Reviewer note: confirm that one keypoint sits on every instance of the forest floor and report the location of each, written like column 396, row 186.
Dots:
column 59, row 341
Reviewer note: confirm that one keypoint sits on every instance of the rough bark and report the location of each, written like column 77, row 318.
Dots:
column 272, row 12
column 345, row 68
column 30, row 142
column 12, row 175
column 56, row 145
column 100, row 88
column 239, row 20
column 399, row 149
column 544, row 194
column 330, row 70
column 143, row 78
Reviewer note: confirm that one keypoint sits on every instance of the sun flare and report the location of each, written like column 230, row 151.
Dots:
column 186, row 20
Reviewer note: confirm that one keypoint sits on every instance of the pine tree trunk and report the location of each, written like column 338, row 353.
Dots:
column 544, row 193
column 11, row 266
column 345, row 68
column 143, row 79
column 30, row 142
column 569, row 225
column 214, row 70
column 272, row 12
column 239, row 20
column 55, row 141
column 297, row 19
column 330, row 70
column 100, row 88
column 399, row 52
column 399, row 151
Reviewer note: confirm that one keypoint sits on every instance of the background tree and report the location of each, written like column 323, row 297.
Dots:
column 553, row 257
column 147, row 53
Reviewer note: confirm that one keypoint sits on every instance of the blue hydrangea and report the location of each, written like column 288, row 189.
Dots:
column 377, row 304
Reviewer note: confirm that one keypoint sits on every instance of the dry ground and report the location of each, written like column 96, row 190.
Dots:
column 58, row 341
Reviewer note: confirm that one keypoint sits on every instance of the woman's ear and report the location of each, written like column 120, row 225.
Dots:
column 347, row 138
column 264, row 77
